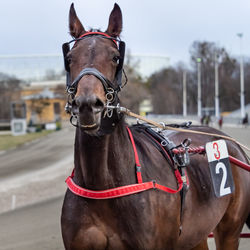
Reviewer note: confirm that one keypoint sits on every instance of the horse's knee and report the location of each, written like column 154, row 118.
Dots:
column 227, row 243
column 226, row 240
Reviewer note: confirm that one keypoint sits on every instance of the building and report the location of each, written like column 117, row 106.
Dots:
column 44, row 101
column 237, row 113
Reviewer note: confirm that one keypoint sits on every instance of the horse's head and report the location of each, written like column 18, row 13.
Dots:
column 94, row 68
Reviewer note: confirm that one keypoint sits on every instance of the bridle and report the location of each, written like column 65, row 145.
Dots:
column 111, row 88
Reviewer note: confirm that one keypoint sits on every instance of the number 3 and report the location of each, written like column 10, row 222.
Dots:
column 217, row 156
column 223, row 190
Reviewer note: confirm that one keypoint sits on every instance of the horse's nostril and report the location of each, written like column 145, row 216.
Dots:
column 98, row 104
column 91, row 103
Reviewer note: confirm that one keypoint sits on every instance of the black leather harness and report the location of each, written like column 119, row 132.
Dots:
column 177, row 161
column 110, row 117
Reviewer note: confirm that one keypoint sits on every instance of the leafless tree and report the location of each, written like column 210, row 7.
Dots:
column 136, row 89
column 9, row 91
column 166, row 91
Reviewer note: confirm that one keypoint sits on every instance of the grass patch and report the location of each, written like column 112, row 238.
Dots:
column 10, row 141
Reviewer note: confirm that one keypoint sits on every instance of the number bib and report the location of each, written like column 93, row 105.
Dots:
column 220, row 168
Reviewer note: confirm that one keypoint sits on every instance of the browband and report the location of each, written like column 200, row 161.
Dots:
column 90, row 33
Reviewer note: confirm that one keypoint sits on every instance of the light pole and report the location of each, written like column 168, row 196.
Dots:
column 242, row 91
column 217, row 104
column 184, row 93
column 199, row 85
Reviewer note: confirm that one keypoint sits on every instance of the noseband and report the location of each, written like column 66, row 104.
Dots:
column 110, row 88
column 91, row 71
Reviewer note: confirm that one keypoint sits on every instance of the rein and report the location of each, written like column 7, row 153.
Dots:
column 163, row 126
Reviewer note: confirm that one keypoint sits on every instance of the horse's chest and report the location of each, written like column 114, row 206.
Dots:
column 134, row 224
column 96, row 237
column 89, row 228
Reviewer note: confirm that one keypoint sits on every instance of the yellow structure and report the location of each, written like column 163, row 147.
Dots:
column 145, row 107
column 45, row 102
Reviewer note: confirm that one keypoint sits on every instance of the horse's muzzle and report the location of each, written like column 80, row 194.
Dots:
column 88, row 109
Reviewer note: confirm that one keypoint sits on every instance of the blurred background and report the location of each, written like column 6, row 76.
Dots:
column 174, row 49
column 185, row 61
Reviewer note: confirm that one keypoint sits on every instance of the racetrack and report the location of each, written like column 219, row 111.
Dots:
column 35, row 227
column 38, row 185
column 37, row 154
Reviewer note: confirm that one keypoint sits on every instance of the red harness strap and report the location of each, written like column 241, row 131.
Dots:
column 137, row 162
column 97, row 33
column 109, row 193
column 201, row 150
column 124, row 190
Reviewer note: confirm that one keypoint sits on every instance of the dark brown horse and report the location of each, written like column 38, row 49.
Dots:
column 104, row 159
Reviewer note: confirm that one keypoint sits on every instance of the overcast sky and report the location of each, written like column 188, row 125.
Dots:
column 158, row 27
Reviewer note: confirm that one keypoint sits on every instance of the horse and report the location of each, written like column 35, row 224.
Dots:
column 104, row 159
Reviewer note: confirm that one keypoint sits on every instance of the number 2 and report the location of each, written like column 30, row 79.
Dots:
column 223, row 190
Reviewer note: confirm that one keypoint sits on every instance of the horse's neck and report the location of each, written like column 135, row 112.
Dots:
column 104, row 162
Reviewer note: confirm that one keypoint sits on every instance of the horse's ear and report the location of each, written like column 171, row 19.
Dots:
column 115, row 22
column 75, row 26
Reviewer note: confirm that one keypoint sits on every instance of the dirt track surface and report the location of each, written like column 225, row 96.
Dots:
column 38, row 154
column 36, row 171
column 32, row 182
column 34, row 227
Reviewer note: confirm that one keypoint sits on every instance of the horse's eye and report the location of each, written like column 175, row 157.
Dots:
column 69, row 59
column 116, row 59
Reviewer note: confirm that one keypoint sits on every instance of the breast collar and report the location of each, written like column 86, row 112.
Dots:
column 138, row 187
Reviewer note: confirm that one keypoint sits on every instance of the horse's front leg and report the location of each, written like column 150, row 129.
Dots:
column 226, row 240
